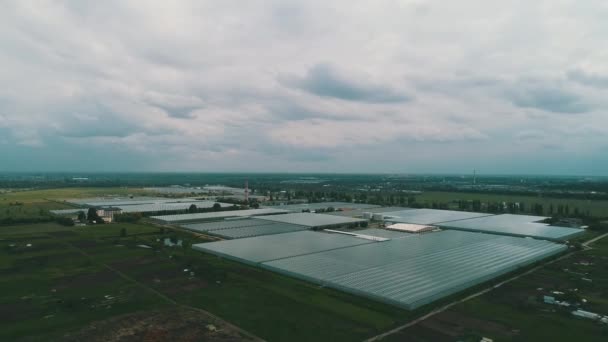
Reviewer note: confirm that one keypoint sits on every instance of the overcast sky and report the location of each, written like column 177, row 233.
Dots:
column 324, row 86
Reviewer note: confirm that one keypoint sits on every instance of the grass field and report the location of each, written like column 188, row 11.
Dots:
column 516, row 311
column 29, row 196
column 71, row 277
column 596, row 208
column 35, row 204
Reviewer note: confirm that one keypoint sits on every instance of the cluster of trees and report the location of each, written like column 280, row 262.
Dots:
column 128, row 217
column 66, row 221
column 92, row 216
column 193, row 209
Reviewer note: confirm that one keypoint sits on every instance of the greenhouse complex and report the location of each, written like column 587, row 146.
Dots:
column 356, row 251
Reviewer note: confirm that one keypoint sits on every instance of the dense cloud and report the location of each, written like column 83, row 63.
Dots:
column 348, row 86
column 323, row 80
column 589, row 79
column 550, row 100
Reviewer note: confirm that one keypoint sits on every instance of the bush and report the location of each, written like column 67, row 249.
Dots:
column 128, row 217
column 64, row 221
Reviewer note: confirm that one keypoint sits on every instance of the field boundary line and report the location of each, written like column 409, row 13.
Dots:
column 159, row 294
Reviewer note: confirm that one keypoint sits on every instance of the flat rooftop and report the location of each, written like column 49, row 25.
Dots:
column 238, row 229
column 325, row 205
column 429, row 216
column 410, row 227
column 272, row 247
column 514, row 225
column 383, row 233
column 312, row 219
column 67, row 211
column 216, row 215
column 359, row 212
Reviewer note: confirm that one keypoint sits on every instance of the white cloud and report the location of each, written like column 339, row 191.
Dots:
column 267, row 84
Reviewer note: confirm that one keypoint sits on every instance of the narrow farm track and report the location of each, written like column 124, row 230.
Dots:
column 477, row 294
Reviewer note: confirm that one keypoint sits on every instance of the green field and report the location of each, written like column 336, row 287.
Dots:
column 29, row 196
column 595, row 208
column 62, row 283
column 32, row 205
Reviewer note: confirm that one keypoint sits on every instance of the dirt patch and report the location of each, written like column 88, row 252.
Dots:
column 160, row 275
column 168, row 325
column 15, row 312
column 191, row 286
column 419, row 333
column 132, row 263
column 456, row 324
column 84, row 280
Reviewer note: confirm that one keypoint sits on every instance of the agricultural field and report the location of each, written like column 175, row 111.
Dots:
column 33, row 205
column 516, row 311
column 61, row 282
column 65, row 193
column 103, row 281
column 597, row 208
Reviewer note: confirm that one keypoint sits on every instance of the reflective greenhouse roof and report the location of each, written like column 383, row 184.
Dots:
column 237, row 229
column 312, row 219
column 413, row 271
column 226, row 224
column 429, row 216
column 384, row 233
column 273, row 247
column 410, row 271
column 514, row 225
column 216, row 215
column 325, row 205
column 268, row 229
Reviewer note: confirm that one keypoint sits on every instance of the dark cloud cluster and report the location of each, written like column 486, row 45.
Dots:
column 324, row 80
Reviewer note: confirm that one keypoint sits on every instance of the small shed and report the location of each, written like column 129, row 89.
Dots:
column 411, row 228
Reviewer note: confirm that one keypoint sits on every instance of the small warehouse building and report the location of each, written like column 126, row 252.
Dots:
column 411, row 228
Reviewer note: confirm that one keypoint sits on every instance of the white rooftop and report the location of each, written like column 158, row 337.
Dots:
column 410, row 227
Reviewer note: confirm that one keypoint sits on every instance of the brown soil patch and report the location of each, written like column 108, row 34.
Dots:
column 456, row 324
column 158, row 326
column 85, row 280
column 131, row 263
column 419, row 333
column 14, row 312
column 191, row 286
